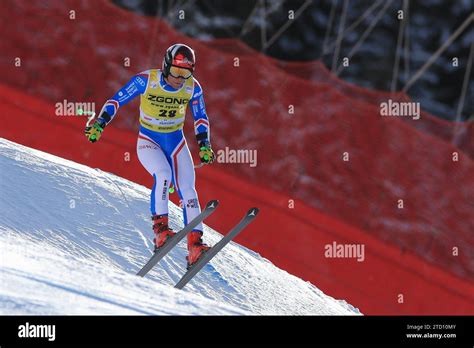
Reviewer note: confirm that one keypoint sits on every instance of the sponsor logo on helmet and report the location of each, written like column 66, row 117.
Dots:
column 187, row 61
column 181, row 60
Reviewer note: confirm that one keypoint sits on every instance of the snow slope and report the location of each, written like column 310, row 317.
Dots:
column 73, row 237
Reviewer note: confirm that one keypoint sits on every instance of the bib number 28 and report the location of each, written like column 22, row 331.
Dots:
column 167, row 113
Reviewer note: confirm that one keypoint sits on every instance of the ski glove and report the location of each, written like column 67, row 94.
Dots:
column 205, row 153
column 94, row 132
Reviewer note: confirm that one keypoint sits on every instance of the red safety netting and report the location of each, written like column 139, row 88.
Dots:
column 300, row 154
column 301, row 253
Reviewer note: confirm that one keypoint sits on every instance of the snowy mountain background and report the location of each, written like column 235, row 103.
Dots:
column 72, row 239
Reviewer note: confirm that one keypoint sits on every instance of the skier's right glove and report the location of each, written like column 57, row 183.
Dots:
column 205, row 152
column 94, row 132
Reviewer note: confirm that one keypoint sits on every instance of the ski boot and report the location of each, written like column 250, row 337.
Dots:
column 161, row 230
column 196, row 248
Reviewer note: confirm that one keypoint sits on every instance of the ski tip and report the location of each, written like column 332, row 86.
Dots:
column 212, row 204
column 253, row 212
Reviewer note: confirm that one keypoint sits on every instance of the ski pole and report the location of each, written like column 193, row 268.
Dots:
column 198, row 165
column 90, row 119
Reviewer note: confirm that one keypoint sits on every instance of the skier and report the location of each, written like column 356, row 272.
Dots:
column 161, row 146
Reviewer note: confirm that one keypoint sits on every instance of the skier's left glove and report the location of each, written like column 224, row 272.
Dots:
column 94, row 132
column 205, row 152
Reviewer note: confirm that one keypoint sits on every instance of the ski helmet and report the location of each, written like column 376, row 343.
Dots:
column 179, row 61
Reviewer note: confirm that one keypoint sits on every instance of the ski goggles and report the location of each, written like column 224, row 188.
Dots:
column 177, row 72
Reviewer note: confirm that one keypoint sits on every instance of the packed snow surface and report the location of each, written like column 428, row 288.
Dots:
column 72, row 239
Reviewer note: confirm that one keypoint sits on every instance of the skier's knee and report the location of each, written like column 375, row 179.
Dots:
column 162, row 174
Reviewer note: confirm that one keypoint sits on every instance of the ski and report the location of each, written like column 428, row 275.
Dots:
column 170, row 243
column 208, row 255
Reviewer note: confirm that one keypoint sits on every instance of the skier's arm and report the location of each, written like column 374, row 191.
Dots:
column 201, row 124
column 133, row 88
column 198, row 108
